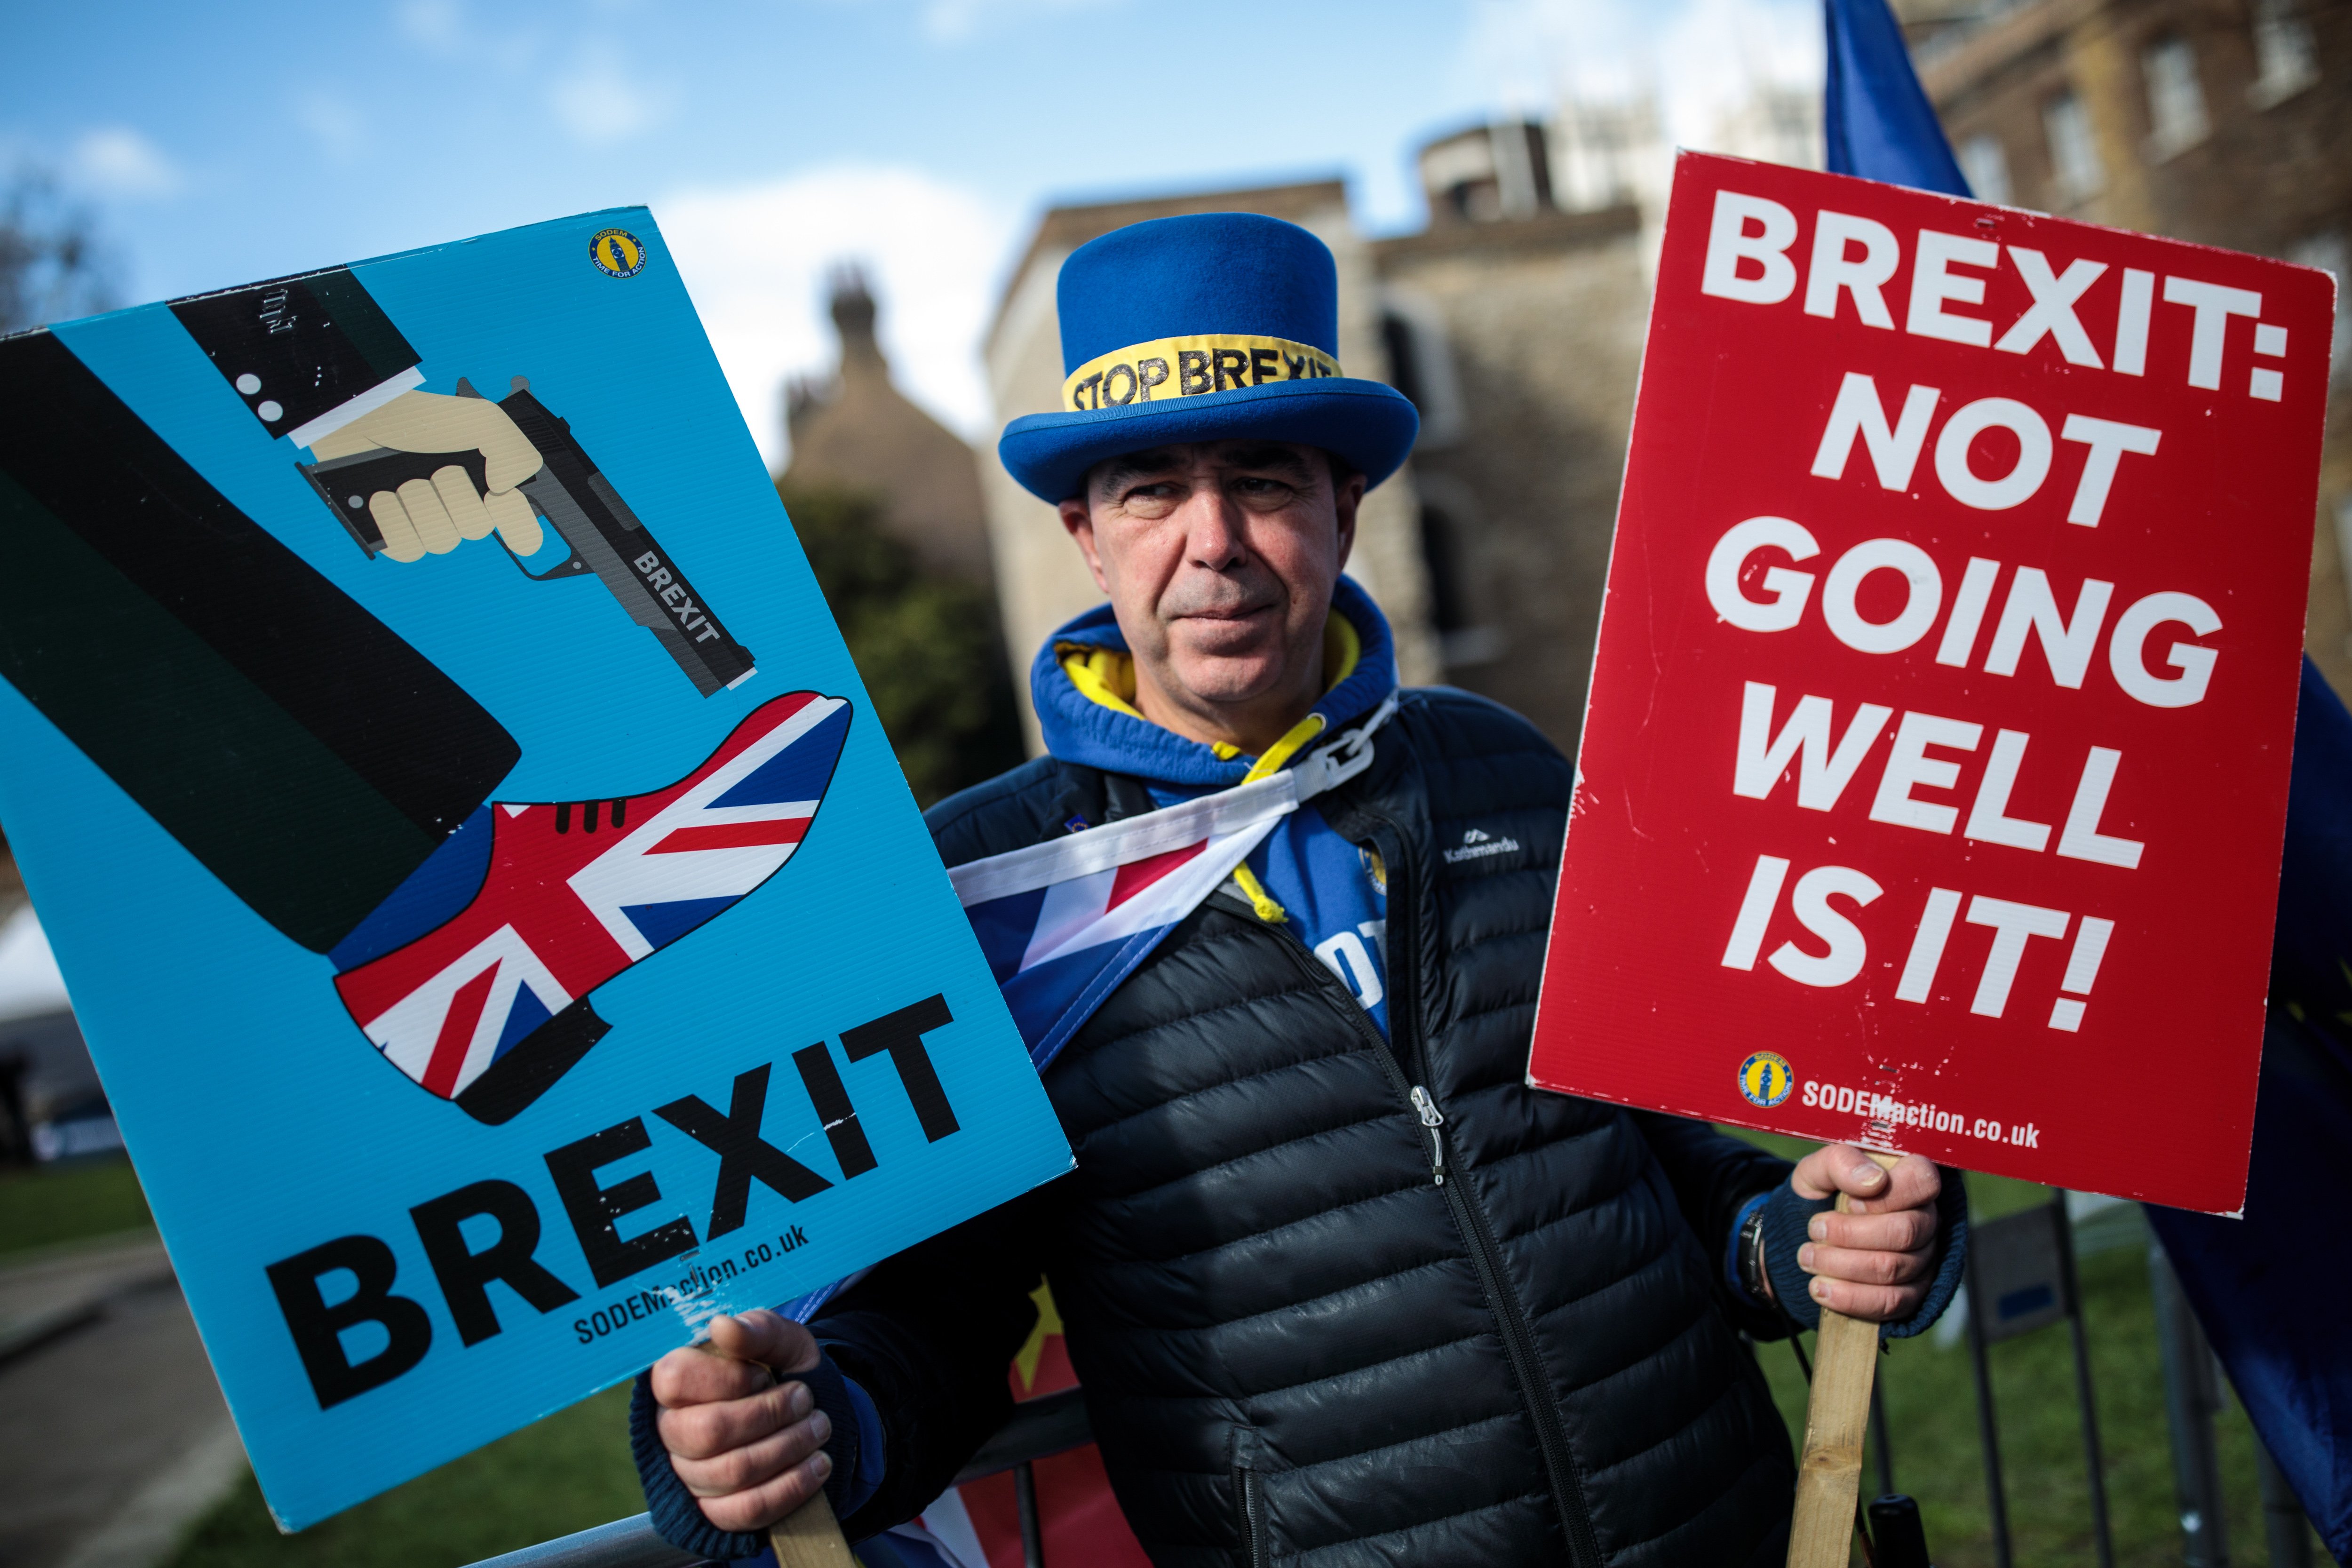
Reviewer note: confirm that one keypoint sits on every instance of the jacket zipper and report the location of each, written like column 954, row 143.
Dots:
column 1510, row 1318
column 1435, row 1120
column 1250, row 1497
column 1520, row 1345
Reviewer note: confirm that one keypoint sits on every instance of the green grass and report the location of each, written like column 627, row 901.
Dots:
column 69, row 1202
column 1931, row 1419
column 569, row 1472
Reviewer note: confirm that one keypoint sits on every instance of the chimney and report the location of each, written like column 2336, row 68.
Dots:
column 853, row 319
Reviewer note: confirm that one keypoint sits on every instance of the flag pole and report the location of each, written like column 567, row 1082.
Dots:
column 1837, row 1414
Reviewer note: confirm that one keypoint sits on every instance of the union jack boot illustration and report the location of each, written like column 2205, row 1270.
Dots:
column 474, row 978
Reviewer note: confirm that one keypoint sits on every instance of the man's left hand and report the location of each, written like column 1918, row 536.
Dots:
column 1874, row 1262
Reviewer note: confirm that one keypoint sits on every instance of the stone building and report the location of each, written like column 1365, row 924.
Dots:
column 1487, row 172
column 856, row 431
column 2223, row 121
column 1520, row 340
column 1514, row 321
column 887, row 504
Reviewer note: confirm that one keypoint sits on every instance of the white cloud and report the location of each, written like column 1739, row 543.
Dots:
column 955, row 21
column 334, row 125
column 755, row 258
column 437, row 24
column 1725, row 51
column 444, row 30
column 1518, row 55
column 600, row 102
column 1523, row 55
column 116, row 160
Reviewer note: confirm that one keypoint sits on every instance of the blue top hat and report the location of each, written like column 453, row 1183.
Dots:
column 1201, row 328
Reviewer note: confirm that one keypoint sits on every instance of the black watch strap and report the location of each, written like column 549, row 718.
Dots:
column 1750, row 1253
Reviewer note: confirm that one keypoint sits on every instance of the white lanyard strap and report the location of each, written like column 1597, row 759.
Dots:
column 1342, row 759
column 1171, row 827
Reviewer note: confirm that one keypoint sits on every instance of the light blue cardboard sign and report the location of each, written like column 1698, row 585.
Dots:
column 493, row 977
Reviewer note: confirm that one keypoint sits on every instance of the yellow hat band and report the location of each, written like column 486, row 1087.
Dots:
column 1189, row 367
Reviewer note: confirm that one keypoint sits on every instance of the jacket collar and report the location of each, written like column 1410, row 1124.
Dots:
column 1094, row 731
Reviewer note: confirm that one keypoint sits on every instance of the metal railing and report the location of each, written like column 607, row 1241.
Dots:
column 2023, row 1277
column 1037, row 1429
column 623, row 1543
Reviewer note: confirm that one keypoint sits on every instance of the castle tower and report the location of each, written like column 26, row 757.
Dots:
column 856, row 431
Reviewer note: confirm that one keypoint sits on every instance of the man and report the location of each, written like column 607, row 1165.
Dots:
column 1335, row 1281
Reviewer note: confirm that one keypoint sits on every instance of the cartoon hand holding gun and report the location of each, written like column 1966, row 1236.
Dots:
column 411, row 473
column 430, row 516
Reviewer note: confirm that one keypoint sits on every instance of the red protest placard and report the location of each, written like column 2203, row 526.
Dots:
column 1935, row 769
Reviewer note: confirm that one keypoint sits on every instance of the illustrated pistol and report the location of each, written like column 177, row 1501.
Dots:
column 572, row 497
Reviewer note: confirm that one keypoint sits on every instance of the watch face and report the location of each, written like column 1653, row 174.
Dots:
column 1751, row 1253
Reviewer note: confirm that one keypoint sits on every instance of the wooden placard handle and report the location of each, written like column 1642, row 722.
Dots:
column 1828, row 1476
column 809, row 1536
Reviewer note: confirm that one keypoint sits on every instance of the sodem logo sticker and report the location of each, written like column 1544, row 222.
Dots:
column 1766, row 1079
column 617, row 253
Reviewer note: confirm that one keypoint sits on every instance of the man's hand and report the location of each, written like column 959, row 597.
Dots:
column 1873, row 1262
column 748, row 1446
column 430, row 518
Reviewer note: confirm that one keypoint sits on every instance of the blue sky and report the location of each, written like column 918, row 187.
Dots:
column 229, row 142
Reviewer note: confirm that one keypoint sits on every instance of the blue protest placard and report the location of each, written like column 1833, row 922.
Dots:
column 502, row 930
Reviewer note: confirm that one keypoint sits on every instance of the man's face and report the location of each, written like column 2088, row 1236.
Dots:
column 1219, row 558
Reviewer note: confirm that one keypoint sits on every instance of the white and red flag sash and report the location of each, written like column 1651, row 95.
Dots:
column 1064, row 922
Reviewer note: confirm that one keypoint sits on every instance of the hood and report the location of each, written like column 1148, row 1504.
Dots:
column 1090, row 731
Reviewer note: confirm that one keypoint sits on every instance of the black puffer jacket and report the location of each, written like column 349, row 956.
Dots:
column 1297, row 1346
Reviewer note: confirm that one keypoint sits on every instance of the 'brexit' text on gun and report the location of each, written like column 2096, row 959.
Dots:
column 572, row 496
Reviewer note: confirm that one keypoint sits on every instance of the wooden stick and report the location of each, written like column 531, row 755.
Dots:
column 811, row 1537
column 1829, row 1478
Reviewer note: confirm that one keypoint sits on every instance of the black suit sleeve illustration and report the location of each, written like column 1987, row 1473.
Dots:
column 292, row 742
column 298, row 350
column 409, row 473
column 332, row 777
column 322, row 769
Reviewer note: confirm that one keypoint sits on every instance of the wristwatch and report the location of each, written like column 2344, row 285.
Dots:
column 1750, row 1250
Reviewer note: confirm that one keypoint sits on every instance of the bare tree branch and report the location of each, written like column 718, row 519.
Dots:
column 53, row 264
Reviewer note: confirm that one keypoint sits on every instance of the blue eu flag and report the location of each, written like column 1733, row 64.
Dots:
column 1879, row 122
column 2271, row 1289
